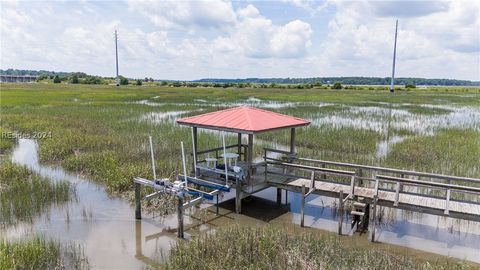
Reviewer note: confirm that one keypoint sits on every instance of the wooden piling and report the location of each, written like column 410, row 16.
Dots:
column 138, row 238
column 279, row 196
column 180, row 217
column 138, row 205
column 340, row 212
column 238, row 196
column 302, row 209
column 217, row 204
column 375, row 199
column 239, row 146
column 286, row 196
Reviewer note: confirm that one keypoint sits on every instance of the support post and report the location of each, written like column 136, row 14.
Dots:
column 239, row 146
column 249, row 158
column 302, row 209
column 138, row 238
column 279, row 196
column 286, row 197
column 194, row 150
column 324, row 176
column 292, row 141
column 340, row 212
column 375, row 199
column 447, row 201
column 217, row 205
column 138, row 205
column 360, row 175
column 180, row 217
column 238, row 196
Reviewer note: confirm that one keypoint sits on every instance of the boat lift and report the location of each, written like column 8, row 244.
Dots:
column 184, row 188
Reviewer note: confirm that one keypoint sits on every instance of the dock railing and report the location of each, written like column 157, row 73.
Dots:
column 437, row 186
column 217, row 151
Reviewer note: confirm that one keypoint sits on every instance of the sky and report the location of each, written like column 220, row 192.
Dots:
column 187, row 40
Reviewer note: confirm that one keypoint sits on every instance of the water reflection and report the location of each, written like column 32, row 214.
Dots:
column 102, row 224
column 113, row 239
column 441, row 235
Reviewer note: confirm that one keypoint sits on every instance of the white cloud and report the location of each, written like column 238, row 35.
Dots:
column 186, row 14
column 408, row 8
column 292, row 40
column 311, row 6
column 248, row 33
column 190, row 40
column 438, row 40
column 258, row 37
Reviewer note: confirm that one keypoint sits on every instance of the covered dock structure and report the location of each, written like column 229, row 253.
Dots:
column 247, row 176
column 364, row 187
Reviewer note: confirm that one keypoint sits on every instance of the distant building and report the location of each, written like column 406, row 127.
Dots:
column 17, row 78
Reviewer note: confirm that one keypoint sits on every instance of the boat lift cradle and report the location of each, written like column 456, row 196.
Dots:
column 187, row 195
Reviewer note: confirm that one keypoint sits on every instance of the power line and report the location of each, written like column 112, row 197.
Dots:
column 392, row 87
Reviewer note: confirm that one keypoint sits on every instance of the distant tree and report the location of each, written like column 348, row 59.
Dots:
column 146, row 79
column 42, row 77
column 123, row 80
column 163, row 83
column 74, row 79
column 56, row 79
column 410, row 86
column 151, row 79
column 139, row 82
column 337, row 85
column 92, row 80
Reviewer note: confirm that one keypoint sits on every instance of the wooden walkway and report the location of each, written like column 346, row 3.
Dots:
column 417, row 203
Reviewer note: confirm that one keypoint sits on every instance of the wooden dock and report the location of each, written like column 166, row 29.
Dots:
column 369, row 187
column 416, row 203
column 365, row 187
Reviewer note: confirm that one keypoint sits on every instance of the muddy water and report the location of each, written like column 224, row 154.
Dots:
column 103, row 225
column 113, row 239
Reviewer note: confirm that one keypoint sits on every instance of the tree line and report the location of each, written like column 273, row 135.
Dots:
column 347, row 80
column 83, row 78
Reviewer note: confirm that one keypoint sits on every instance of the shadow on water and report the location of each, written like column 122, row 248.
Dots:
column 112, row 238
column 441, row 235
column 258, row 208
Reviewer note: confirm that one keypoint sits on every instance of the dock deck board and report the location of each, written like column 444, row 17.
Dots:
column 409, row 201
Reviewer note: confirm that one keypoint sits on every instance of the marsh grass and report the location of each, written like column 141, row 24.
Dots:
column 268, row 247
column 450, row 151
column 6, row 142
column 26, row 195
column 98, row 131
column 39, row 253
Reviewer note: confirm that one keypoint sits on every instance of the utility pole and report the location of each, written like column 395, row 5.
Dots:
column 116, row 58
column 392, row 84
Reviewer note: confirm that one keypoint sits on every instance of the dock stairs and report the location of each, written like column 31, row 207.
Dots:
column 360, row 215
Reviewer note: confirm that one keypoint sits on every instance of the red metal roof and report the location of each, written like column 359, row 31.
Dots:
column 244, row 120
